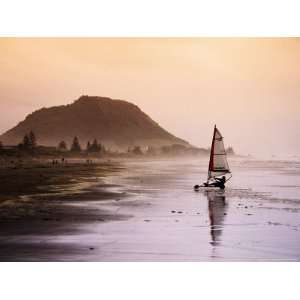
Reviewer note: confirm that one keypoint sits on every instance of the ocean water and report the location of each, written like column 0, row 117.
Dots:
column 256, row 218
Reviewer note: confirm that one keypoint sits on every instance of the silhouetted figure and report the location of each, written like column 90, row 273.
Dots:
column 220, row 182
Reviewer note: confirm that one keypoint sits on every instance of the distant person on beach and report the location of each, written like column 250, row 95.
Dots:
column 54, row 162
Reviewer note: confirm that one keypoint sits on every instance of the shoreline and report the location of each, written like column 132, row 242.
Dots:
column 41, row 192
column 147, row 211
column 52, row 201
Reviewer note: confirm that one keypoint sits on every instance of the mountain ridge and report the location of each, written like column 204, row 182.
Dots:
column 117, row 123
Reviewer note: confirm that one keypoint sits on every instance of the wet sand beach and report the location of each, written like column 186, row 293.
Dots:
column 39, row 198
column 147, row 211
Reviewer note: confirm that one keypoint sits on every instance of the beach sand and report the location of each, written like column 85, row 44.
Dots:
column 147, row 210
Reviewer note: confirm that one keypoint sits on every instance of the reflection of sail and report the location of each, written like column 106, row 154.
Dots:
column 216, row 208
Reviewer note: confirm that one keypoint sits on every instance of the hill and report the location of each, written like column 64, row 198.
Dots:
column 115, row 123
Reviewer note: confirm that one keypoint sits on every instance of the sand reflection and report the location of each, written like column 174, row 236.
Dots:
column 217, row 212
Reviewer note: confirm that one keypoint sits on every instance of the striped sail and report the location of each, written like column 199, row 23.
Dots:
column 218, row 165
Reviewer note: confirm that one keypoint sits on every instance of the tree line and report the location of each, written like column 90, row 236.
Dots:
column 95, row 146
column 29, row 142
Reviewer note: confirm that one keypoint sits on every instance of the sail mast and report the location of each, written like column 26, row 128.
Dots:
column 211, row 159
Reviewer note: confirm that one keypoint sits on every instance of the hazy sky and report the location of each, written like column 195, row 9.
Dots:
column 249, row 87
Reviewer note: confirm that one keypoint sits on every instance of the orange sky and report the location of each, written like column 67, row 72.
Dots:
column 249, row 87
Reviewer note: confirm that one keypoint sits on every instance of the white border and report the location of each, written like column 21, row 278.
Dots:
column 156, row 18
column 152, row 280
column 149, row 281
